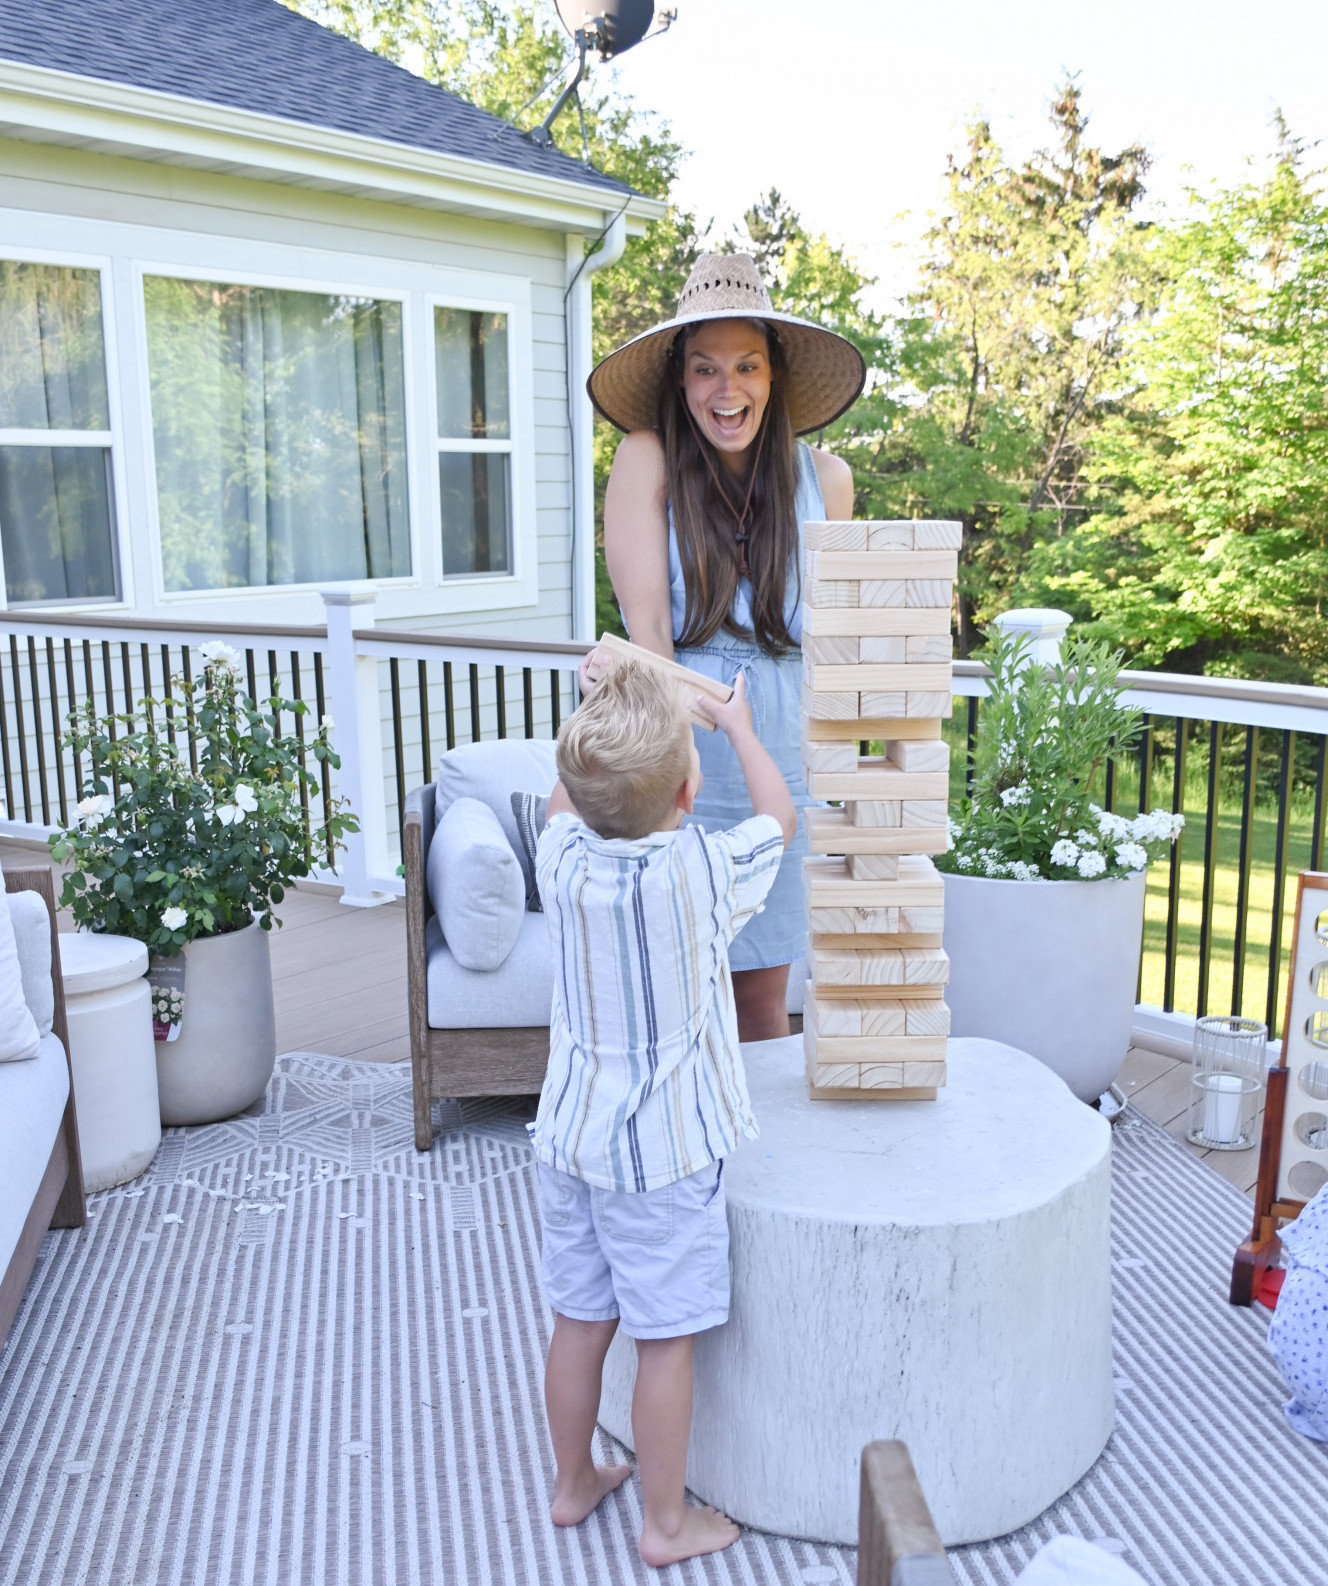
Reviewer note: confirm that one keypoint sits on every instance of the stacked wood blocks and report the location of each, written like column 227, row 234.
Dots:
column 876, row 669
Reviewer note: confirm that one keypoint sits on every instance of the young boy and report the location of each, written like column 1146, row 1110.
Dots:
column 645, row 1093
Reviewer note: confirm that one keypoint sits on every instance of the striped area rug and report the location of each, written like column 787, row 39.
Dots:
column 297, row 1352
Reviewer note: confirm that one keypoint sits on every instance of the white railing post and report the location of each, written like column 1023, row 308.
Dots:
column 1043, row 626
column 357, row 738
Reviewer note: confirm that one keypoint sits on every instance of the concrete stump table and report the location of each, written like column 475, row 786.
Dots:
column 932, row 1271
column 112, row 1054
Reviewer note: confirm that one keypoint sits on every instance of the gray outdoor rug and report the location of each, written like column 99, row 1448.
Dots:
column 296, row 1352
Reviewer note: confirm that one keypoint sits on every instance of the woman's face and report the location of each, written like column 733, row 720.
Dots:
column 726, row 384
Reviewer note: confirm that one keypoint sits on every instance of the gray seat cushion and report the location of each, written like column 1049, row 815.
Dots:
column 517, row 995
column 492, row 772
column 32, row 1103
column 32, row 936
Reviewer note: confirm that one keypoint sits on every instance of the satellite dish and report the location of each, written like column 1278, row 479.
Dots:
column 611, row 26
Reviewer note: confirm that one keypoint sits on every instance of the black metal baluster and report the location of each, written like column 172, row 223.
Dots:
column 528, row 700
column 168, row 694
column 303, row 757
column 449, row 705
column 1210, row 862
column 324, row 768
column 1316, row 836
column 1109, row 791
column 55, row 733
column 474, row 704
column 34, row 677
column 1146, row 765
column 500, row 694
column 556, row 700
column 426, row 745
column 148, row 701
column 398, row 751
column 127, row 673
column 1287, row 763
column 1243, row 870
column 1173, row 879
column 970, row 740
column 10, row 811
column 191, row 722
column 19, row 725
column 274, row 683
column 72, row 694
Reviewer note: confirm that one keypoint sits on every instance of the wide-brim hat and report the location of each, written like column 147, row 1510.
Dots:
column 826, row 373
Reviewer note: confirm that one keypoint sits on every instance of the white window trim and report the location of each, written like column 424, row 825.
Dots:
column 112, row 439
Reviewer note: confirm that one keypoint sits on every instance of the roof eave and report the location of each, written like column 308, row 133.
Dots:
column 41, row 105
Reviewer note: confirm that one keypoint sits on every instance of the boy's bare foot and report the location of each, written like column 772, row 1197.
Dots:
column 701, row 1531
column 572, row 1503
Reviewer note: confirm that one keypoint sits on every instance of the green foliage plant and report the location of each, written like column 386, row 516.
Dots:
column 164, row 853
column 1044, row 736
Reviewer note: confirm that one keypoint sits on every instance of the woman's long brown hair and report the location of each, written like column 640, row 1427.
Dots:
column 708, row 505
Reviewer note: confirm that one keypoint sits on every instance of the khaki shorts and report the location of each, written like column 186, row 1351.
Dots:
column 658, row 1260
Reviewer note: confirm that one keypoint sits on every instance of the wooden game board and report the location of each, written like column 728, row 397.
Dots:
column 876, row 670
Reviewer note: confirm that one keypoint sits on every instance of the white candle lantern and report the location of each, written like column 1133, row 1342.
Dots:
column 1228, row 1072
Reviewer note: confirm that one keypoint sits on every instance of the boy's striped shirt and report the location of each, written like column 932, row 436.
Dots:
column 645, row 1083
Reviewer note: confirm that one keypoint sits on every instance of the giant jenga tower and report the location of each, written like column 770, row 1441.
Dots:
column 876, row 670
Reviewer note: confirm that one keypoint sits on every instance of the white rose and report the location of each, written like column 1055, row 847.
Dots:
column 217, row 654
column 94, row 810
column 174, row 917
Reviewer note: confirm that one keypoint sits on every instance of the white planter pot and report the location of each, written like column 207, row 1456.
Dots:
column 223, row 1057
column 1050, row 967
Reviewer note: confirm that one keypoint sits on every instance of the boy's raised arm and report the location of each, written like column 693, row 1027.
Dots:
column 765, row 782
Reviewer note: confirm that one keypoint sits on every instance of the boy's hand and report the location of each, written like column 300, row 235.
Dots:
column 733, row 719
column 591, row 669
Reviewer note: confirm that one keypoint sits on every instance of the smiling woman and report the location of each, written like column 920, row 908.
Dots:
column 703, row 532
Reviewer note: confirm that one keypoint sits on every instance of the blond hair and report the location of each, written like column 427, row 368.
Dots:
column 626, row 752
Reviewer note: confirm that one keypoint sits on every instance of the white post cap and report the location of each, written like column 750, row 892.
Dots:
column 1044, row 627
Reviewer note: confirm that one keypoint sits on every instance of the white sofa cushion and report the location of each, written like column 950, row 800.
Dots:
column 492, row 772
column 32, row 1103
column 32, row 934
column 475, row 885
column 520, row 996
column 19, row 1036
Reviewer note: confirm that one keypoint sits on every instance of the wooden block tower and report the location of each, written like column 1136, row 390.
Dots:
column 876, row 670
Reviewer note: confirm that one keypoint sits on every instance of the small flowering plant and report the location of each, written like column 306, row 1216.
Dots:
column 1043, row 738
column 164, row 852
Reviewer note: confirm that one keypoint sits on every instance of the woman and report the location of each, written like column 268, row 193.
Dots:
column 703, row 536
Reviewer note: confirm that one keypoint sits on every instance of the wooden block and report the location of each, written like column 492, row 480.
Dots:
column 876, row 812
column 875, row 996
column 901, row 1073
column 923, row 812
column 839, row 649
column 854, row 536
column 833, row 1093
column 896, row 534
column 923, row 647
column 925, row 1017
column 881, row 622
column 923, row 919
column 892, row 652
column 829, row 884
column 919, row 754
column 926, row 966
column 687, row 682
column 831, row 1016
column 851, row 922
column 883, row 705
column 923, row 566
column 878, row 679
column 876, row 1049
column 873, row 867
column 881, row 592
column 935, row 706
column 875, row 780
column 839, row 758
column 833, row 592
column 865, row 942
column 882, row 1018
column 929, row 533
column 889, row 728
column 830, row 707
column 878, row 966
column 926, row 592
column 831, row 831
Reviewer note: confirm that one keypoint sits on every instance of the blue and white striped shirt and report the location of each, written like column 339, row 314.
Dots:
column 645, row 1082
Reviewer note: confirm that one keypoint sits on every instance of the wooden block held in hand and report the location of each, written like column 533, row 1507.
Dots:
column 687, row 682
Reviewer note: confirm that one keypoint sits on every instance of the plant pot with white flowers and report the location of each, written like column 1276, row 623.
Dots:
column 1044, row 889
column 191, row 862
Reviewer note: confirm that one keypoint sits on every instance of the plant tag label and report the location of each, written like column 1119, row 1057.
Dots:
column 166, row 977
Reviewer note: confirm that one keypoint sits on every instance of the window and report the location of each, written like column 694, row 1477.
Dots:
column 56, row 523
column 279, row 431
column 474, row 440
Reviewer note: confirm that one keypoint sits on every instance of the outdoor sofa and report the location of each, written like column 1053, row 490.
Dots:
column 41, row 1176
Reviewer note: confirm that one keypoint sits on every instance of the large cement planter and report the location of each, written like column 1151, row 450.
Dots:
column 224, row 1055
column 1050, row 967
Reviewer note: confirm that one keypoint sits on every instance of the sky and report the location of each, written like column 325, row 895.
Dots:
column 850, row 107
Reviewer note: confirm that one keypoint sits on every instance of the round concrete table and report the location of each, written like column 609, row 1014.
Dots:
column 932, row 1271
column 112, row 1054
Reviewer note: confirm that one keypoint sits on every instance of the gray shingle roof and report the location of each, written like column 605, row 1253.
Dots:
column 256, row 55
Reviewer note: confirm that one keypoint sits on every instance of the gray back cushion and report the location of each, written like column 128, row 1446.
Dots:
column 491, row 773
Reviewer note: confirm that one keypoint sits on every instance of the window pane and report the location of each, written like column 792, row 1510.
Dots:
column 55, row 523
column 52, row 357
column 474, row 495
column 470, row 352
column 279, row 423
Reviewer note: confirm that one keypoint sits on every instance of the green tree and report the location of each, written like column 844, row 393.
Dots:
column 1211, row 553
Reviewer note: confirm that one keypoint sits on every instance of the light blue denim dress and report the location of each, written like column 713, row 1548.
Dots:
column 778, row 934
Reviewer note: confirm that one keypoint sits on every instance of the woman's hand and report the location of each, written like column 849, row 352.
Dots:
column 592, row 668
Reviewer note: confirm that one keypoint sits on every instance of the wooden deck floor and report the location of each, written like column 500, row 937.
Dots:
column 339, row 975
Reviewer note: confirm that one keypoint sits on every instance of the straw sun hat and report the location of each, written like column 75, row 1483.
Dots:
column 825, row 373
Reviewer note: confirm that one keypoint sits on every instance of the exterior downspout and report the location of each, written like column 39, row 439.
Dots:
column 580, row 414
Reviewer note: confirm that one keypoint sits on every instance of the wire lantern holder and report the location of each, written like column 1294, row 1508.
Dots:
column 1228, row 1075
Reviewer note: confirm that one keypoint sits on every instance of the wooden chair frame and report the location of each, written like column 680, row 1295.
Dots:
column 453, row 1062
column 898, row 1544
column 59, row 1202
